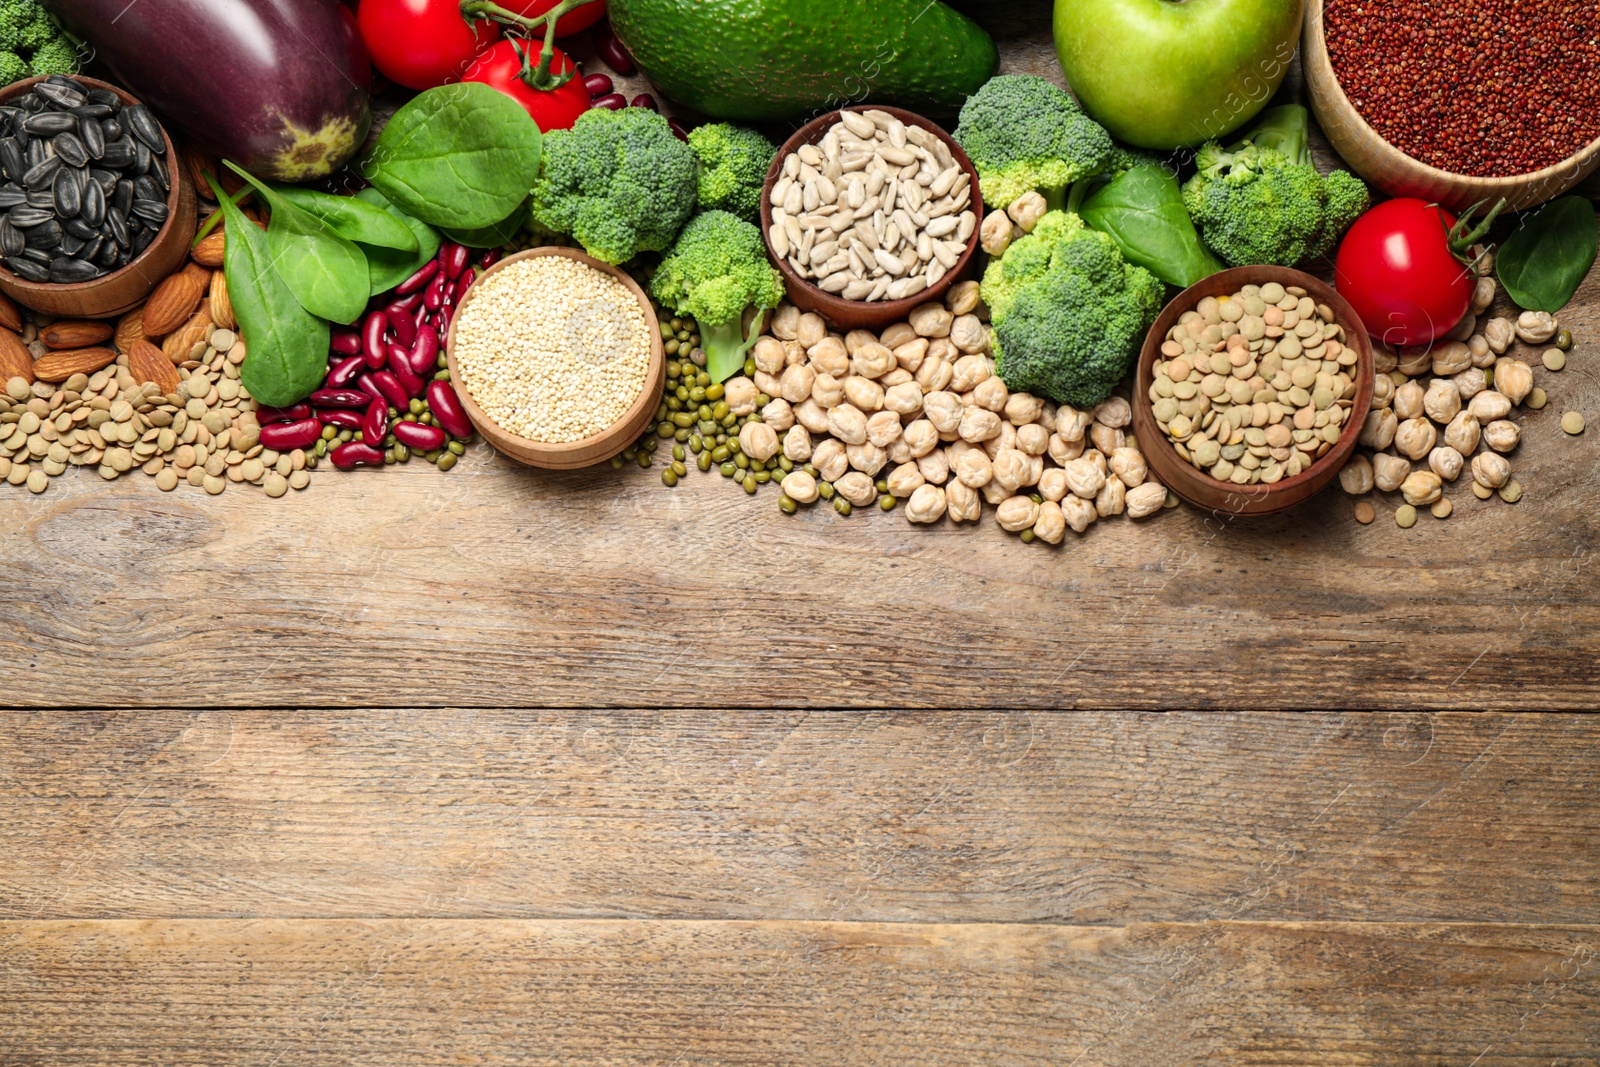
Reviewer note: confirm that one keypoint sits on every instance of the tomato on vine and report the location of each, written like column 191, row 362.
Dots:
column 505, row 67
column 421, row 44
column 572, row 22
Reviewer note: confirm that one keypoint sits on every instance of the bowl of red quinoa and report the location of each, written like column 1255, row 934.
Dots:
column 1457, row 101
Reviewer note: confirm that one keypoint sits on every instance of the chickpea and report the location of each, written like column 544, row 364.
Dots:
column 905, row 480
column 1051, row 524
column 1016, row 513
column 963, row 502
column 927, row 504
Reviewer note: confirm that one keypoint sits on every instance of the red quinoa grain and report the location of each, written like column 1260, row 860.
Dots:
column 1485, row 88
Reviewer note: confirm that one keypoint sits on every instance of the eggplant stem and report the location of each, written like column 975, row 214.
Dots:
column 539, row 77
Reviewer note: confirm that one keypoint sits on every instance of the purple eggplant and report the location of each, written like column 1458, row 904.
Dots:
column 281, row 87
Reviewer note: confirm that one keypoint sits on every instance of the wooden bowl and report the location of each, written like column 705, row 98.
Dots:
column 122, row 290
column 1398, row 174
column 589, row 450
column 858, row 314
column 1225, row 498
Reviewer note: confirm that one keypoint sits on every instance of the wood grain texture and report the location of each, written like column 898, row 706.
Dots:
column 991, row 817
column 402, row 992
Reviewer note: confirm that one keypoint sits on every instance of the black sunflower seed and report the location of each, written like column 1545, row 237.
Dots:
column 13, row 161
column 117, row 220
column 61, row 95
column 122, row 197
column 70, row 245
column 93, row 211
column 11, row 196
column 144, row 126
column 66, row 192
column 92, row 248
column 41, row 174
column 27, row 268
column 110, row 255
column 141, row 241
column 95, row 112
column 42, row 198
column 67, row 270
column 24, row 217
column 159, row 169
column 119, row 154
column 69, row 146
column 37, row 151
column 50, row 123
column 46, row 236
column 94, row 140
column 112, row 129
column 80, row 228
column 153, row 212
column 107, row 180
column 145, row 188
column 11, row 240
column 105, row 98
column 141, row 159
column 31, row 103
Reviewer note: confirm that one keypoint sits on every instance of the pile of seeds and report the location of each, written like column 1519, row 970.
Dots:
column 912, row 415
column 1256, row 386
column 551, row 349
column 878, row 210
column 1424, row 437
column 85, row 182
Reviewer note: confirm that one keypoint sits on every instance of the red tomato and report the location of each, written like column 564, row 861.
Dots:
column 556, row 109
column 421, row 43
column 1398, row 271
column 572, row 22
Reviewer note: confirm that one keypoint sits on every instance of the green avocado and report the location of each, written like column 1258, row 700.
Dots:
column 769, row 60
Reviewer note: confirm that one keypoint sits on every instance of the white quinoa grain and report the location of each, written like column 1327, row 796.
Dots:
column 553, row 350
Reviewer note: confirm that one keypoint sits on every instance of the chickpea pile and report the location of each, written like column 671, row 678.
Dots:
column 915, row 415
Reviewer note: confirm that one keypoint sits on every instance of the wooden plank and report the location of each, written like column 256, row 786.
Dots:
column 413, row 991
column 989, row 817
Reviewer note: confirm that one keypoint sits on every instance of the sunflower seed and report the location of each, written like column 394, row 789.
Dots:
column 93, row 210
column 50, row 123
column 144, row 126
column 152, row 211
column 71, row 150
column 41, row 174
column 67, row 271
column 68, row 196
column 61, row 95
column 13, row 162
column 28, row 269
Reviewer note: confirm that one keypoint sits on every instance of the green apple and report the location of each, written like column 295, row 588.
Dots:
column 1171, row 73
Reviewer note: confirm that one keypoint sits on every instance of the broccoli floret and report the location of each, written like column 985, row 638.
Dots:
column 56, row 57
column 1263, row 201
column 619, row 181
column 733, row 168
column 1068, row 312
column 1025, row 133
column 25, row 26
column 12, row 68
column 716, row 270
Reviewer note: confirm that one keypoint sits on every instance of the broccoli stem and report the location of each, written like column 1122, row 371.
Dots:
column 1055, row 199
column 1284, row 129
column 726, row 345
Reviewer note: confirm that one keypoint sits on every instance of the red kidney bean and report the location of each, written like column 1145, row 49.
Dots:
column 390, row 388
column 425, row 353
column 345, row 342
column 416, row 435
column 420, row 319
column 398, row 354
column 343, row 418
column 292, row 413
column 368, row 386
column 375, row 424
column 454, row 259
column 340, row 398
column 356, row 454
column 610, row 101
column 597, row 85
column 401, row 324
column 678, row 129
column 447, row 409
column 288, row 436
column 372, row 333
column 611, row 50
column 419, row 279
column 443, row 320
column 344, row 372
column 644, row 100
column 409, row 380
column 465, row 283
column 449, row 298
column 490, row 258
column 433, row 299
column 406, row 305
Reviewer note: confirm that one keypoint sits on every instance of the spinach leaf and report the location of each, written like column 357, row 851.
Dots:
column 493, row 236
column 388, row 267
column 326, row 272
column 354, row 220
column 461, row 155
column 1544, row 262
column 286, row 346
column 1142, row 210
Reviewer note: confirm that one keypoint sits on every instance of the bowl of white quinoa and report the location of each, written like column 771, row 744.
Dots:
column 557, row 357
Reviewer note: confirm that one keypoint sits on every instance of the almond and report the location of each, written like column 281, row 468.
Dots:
column 10, row 317
column 15, row 359
column 173, row 302
column 221, row 306
column 147, row 363
column 75, row 333
column 130, row 328
column 178, row 344
column 210, row 251
column 59, row 366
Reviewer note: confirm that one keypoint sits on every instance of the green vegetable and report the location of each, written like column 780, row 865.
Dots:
column 491, row 236
column 1263, row 201
column 1546, row 259
column 1142, row 209
column 733, row 168
column 619, row 181
column 462, row 155
column 716, row 270
column 326, row 272
column 26, row 27
column 1068, row 313
column 288, row 353
column 388, row 267
column 352, row 218
column 13, row 68
column 1024, row 133
column 54, row 57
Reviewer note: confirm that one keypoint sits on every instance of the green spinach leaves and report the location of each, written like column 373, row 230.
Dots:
column 1543, row 263
column 1142, row 210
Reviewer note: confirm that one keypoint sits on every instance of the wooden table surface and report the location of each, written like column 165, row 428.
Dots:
column 500, row 766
